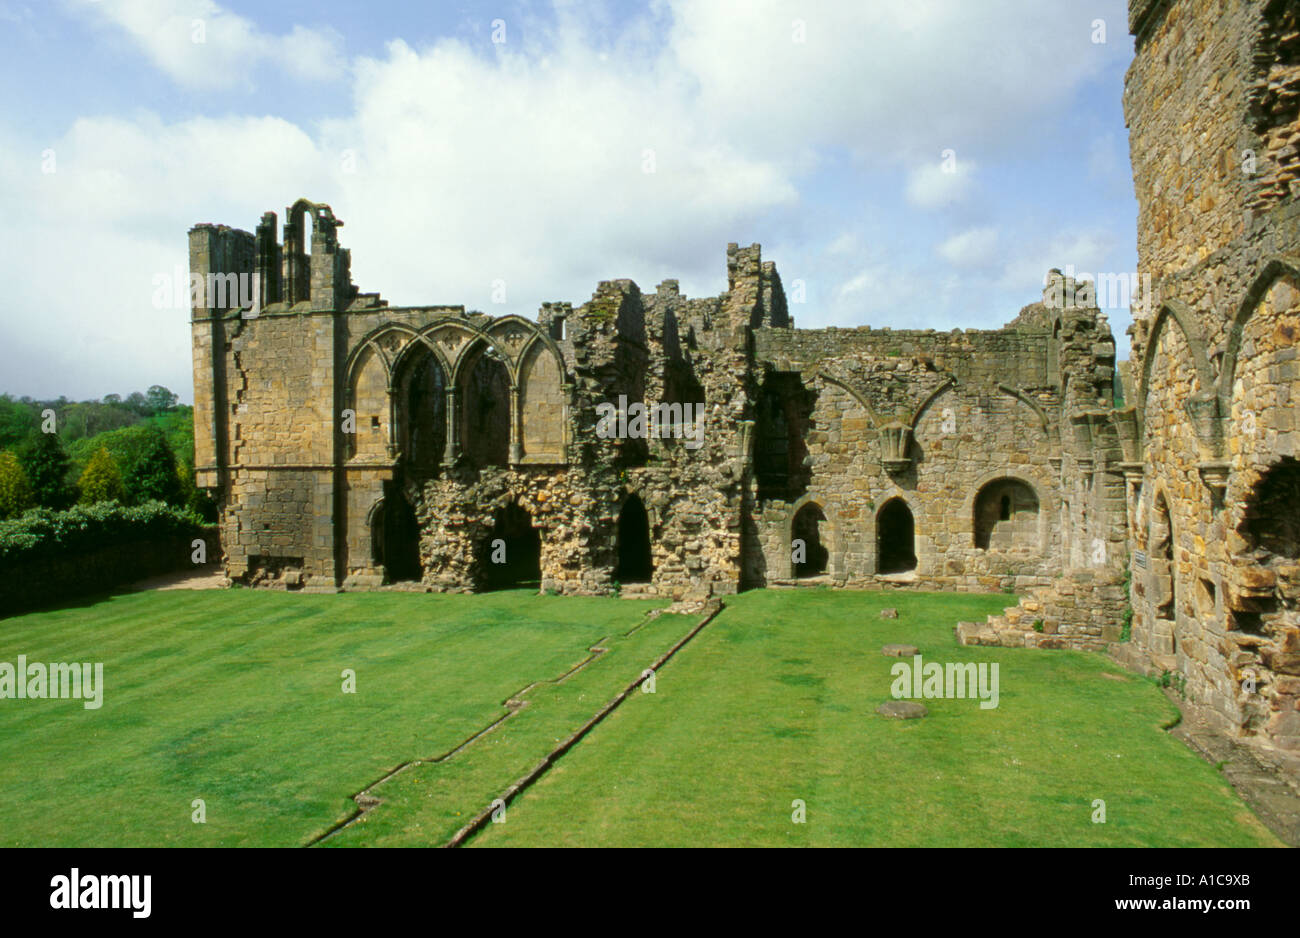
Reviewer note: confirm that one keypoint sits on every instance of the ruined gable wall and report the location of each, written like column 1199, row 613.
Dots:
column 930, row 418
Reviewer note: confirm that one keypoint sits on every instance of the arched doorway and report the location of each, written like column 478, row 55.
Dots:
column 513, row 551
column 395, row 538
column 634, row 558
column 895, row 538
column 810, row 557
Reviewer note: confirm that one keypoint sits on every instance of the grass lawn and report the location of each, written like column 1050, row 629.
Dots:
column 235, row 697
column 774, row 701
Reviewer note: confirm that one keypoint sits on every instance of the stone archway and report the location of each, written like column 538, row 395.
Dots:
column 635, row 561
column 813, row 559
column 1005, row 515
column 895, row 538
column 395, row 538
column 513, row 551
column 485, row 393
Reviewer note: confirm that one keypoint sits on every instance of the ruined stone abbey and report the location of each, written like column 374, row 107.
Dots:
column 1149, row 508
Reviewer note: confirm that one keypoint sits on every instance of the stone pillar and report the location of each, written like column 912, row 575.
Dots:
column 516, row 425
column 452, row 449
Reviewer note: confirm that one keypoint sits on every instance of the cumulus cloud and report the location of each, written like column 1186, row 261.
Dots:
column 940, row 184
column 578, row 151
column 976, row 247
column 201, row 44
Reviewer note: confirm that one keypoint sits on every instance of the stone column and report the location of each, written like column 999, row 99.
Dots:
column 516, row 425
column 452, row 449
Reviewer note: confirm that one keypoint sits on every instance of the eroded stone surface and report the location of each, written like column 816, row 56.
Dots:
column 902, row 710
column 899, row 651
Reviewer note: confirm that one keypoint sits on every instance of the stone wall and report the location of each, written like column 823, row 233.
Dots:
column 354, row 445
column 1211, row 102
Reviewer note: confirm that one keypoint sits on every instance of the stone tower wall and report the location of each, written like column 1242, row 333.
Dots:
column 1212, row 103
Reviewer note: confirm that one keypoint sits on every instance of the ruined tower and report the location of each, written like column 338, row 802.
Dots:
column 1212, row 102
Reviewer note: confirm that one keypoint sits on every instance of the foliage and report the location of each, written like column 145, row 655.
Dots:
column 46, row 464
column 153, row 475
column 195, row 499
column 102, row 480
column 18, row 421
column 15, row 490
column 44, row 533
column 159, row 399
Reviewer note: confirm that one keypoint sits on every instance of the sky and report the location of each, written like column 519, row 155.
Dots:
column 906, row 163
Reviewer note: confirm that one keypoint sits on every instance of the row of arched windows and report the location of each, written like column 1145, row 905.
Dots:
column 1005, row 517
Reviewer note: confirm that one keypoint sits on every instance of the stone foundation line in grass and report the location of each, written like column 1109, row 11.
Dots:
column 366, row 800
column 476, row 824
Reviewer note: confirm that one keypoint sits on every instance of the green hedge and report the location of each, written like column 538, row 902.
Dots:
column 42, row 533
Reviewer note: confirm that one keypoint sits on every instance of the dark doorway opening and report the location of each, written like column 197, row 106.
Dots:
column 396, row 538
column 513, row 551
column 634, row 558
column 896, row 538
column 807, row 528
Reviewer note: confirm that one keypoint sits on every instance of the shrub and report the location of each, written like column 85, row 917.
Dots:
column 44, row 533
column 46, row 464
column 15, row 491
column 101, row 482
column 194, row 498
column 153, row 477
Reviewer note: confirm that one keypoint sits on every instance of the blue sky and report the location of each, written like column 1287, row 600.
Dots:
column 597, row 141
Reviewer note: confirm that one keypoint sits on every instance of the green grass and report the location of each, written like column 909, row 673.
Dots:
column 775, row 701
column 235, row 697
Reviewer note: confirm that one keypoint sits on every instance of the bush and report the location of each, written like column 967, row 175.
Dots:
column 101, row 482
column 46, row 464
column 15, row 491
column 154, row 476
column 194, row 498
column 44, row 533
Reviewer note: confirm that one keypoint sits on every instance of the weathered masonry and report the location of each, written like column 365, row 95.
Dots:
column 352, row 444
column 1213, row 106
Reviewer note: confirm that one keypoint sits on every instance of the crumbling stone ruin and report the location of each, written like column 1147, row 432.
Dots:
column 355, row 445
column 1213, row 101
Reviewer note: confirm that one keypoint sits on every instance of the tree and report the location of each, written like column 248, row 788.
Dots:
column 15, row 492
column 160, row 400
column 46, row 464
column 102, row 482
column 135, row 401
column 18, row 420
column 154, row 473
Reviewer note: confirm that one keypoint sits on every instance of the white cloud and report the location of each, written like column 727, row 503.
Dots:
column 940, row 184
column 976, row 247
column 1086, row 252
column 525, row 162
column 200, row 44
column 887, row 79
